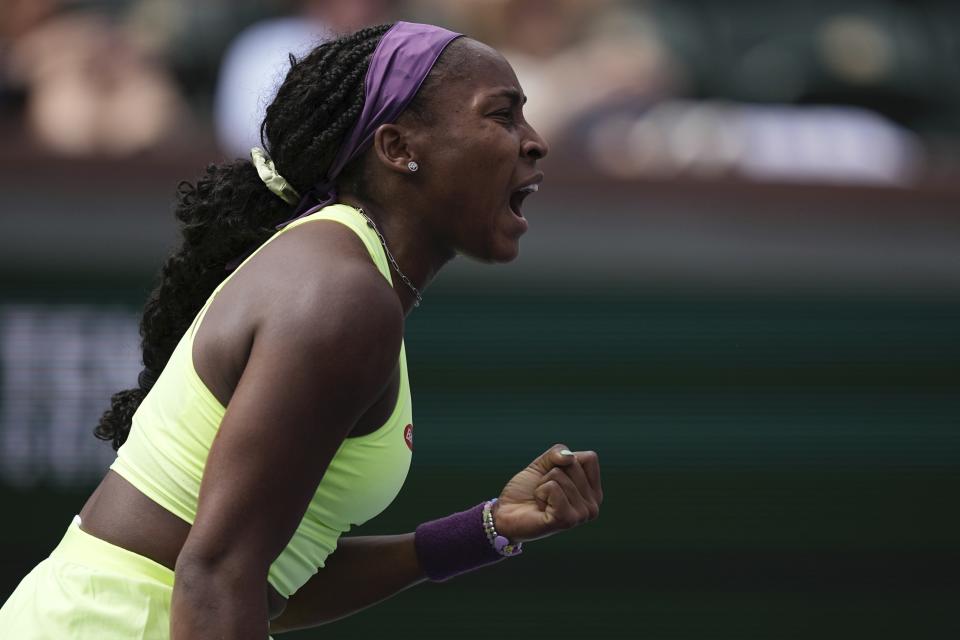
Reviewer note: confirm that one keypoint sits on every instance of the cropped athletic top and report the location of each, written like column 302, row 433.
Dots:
column 174, row 427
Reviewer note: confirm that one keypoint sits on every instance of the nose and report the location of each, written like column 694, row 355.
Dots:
column 534, row 146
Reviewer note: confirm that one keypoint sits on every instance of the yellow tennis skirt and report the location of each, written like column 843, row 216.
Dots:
column 90, row 589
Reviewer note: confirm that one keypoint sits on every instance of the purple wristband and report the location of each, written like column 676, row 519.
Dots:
column 453, row 545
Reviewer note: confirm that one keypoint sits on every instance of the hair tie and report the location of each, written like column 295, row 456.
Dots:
column 274, row 181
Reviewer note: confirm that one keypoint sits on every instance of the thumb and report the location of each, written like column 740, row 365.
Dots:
column 559, row 455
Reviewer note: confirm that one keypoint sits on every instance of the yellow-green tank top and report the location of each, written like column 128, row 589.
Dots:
column 174, row 427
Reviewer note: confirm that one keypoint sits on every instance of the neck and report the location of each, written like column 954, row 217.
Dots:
column 412, row 247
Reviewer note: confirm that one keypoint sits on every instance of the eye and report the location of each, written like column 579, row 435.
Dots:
column 505, row 114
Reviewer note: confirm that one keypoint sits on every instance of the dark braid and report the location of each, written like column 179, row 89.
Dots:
column 329, row 85
column 229, row 209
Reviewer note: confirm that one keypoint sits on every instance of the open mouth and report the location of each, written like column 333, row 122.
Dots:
column 518, row 196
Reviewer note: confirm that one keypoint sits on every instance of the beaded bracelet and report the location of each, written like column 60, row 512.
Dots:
column 500, row 544
column 461, row 542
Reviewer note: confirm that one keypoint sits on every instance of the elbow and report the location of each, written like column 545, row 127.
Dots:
column 215, row 599
column 196, row 586
column 209, row 582
column 190, row 574
column 221, row 571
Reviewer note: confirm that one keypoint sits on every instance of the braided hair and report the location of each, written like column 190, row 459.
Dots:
column 229, row 209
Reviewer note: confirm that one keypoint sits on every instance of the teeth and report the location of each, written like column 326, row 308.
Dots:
column 533, row 188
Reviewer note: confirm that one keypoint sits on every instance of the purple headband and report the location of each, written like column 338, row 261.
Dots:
column 400, row 63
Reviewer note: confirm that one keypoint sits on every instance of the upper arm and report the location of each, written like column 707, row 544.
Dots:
column 319, row 359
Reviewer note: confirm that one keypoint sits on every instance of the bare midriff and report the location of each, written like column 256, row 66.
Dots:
column 118, row 513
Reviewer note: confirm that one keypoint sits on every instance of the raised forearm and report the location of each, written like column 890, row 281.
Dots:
column 364, row 570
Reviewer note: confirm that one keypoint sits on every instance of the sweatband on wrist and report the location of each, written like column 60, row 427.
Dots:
column 453, row 545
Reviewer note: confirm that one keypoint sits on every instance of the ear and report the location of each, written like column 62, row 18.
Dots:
column 391, row 144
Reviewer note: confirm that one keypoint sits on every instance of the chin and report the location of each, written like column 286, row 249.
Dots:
column 496, row 254
column 511, row 255
column 505, row 254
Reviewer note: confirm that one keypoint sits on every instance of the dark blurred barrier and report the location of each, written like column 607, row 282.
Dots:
column 768, row 373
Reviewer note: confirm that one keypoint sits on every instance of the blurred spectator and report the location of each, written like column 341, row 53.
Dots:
column 192, row 36
column 781, row 143
column 603, row 82
column 571, row 56
column 855, row 90
column 89, row 89
column 258, row 59
column 17, row 17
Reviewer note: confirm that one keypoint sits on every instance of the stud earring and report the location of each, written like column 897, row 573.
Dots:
column 413, row 166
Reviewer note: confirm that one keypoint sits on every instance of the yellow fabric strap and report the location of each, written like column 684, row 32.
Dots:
column 274, row 181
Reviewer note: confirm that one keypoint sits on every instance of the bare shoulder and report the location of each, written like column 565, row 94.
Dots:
column 323, row 295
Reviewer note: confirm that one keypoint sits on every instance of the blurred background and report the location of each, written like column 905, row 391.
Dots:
column 740, row 287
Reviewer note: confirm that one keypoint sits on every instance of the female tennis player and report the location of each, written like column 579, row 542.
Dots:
column 274, row 410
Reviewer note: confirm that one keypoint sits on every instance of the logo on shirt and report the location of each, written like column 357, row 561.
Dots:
column 408, row 436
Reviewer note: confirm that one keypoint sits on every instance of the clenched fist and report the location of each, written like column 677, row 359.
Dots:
column 559, row 490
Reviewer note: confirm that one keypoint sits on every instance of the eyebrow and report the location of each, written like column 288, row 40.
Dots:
column 513, row 95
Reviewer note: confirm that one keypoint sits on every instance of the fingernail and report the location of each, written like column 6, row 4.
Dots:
column 566, row 452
